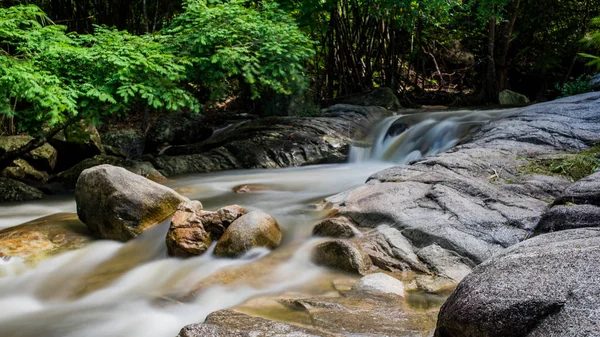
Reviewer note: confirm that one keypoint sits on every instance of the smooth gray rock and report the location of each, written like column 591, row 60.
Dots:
column 559, row 218
column 544, row 286
column 119, row 205
column 445, row 263
column 595, row 82
column 379, row 283
column 584, row 191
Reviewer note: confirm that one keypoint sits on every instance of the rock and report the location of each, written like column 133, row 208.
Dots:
column 231, row 323
column 177, row 129
column 43, row 158
column 12, row 190
column 250, row 188
column 343, row 255
column 255, row 229
column 44, row 237
column 445, row 263
column 544, row 286
column 69, row 177
column 113, row 151
column 508, row 97
column 382, row 97
column 377, row 284
column 119, row 205
column 129, row 141
column 560, row 218
column 584, row 191
column 193, row 229
column 22, row 170
column 274, row 142
column 187, row 236
column 595, row 82
column 78, row 142
column 341, row 228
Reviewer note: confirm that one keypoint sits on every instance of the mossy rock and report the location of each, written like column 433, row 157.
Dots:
column 508, row 97
column 77, row 143
column 12, row 190
column 43, row 158
column 22, row 170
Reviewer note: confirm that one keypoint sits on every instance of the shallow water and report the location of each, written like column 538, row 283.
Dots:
column 133, row 289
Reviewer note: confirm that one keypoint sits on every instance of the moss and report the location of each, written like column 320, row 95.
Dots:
column 574, row 166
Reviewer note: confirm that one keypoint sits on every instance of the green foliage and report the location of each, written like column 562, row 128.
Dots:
column 575, row 86
column 593, row 41
column 574, row 166
column 47, row 76
column 224, row 41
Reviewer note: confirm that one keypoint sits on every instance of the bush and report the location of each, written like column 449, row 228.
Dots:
column 579, row 85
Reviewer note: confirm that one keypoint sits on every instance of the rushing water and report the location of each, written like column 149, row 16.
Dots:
column 133, row 289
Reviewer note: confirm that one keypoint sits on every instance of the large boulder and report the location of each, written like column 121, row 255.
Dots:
column 255, row 229
column 12, row 190
column 43, row 158
column 76, row 143
column 177, row 129
column 119, row 205
column 545, row 286
column 127, row 140
column 508, row 97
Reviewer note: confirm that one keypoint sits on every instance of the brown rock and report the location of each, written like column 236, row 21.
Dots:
column 343, row 255
column 187, row 236
column 341, row 227
column 255, row 229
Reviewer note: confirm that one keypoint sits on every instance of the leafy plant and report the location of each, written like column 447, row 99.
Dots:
column 223, row 41
column 574, row 166
column 593, row 41
column 575, row 86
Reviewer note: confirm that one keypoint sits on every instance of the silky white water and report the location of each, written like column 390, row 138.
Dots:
column 53, row 299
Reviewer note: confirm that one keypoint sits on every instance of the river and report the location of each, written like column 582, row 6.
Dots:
column 138, row 292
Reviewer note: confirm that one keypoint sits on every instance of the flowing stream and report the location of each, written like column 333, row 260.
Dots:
column 133, row 289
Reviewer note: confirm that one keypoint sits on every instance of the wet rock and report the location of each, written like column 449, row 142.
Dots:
column 335, row 228
column 78, row 142
column 193, row 229
column 508, row 97
column 544, row 286
column 343, row 255
column 255, row 229
column 12, row 190
column 119, row 205
column 22, row 170
column 377, row 284
column 274, row 142
column 129, row 141
column 44, row 237
column 250, row 188
column 43, row 158
column 186, row 236
column 177, row 129
column 445, row 263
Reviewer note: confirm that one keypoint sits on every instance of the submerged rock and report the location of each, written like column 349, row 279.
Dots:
column 45, row 237
column 12, row 190
column 255, row 229
column 119, row 205
column 342, row 254
column 545, row 286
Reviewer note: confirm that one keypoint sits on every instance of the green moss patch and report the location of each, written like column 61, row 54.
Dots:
column 575, row 166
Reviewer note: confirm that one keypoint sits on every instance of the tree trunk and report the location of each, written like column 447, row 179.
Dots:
column 502, row 63
column 491, row 87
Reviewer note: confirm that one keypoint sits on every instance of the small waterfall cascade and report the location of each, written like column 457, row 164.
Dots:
column 402, row 139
